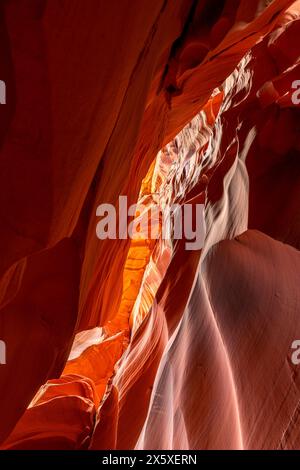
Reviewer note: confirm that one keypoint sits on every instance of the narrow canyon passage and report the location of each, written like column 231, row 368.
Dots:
column 141, row 343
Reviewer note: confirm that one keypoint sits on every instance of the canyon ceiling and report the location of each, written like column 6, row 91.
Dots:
column 142, row 344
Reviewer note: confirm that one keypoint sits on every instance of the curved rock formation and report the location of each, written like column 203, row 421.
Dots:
column 143, row 344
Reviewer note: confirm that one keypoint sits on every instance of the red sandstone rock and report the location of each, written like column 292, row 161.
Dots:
column 163, row 102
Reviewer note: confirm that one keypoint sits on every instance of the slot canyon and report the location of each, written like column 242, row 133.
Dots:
column 139, row 343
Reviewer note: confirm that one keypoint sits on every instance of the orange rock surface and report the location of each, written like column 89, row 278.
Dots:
column 141, row 344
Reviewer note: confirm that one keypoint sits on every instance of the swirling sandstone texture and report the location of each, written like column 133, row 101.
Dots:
column 142, row 344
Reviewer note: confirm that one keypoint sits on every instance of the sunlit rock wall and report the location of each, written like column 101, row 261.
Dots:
column 141, row 343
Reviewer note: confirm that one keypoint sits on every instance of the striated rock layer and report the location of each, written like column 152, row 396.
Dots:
column 142, row 344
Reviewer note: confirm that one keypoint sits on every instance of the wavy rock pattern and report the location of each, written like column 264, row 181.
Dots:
column 119, row 344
